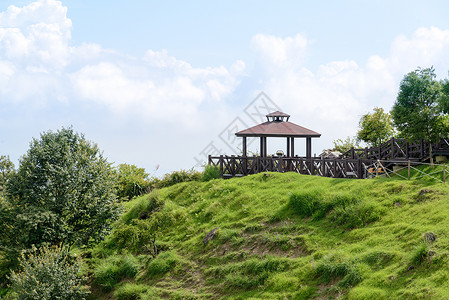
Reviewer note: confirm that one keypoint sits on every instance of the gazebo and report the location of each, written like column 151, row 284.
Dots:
column 277, row 125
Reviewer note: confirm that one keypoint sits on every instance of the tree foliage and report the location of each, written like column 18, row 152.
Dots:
column 62, row 192
column 345, row 145
column 132, row 181
column 6, row 171
column 418, row 112
column 48, row 273
column 375, row 128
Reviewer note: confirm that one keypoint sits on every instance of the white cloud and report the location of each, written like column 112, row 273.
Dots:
column 276, row 51
column 35, row 52
column 427, row 47
column 36, row 34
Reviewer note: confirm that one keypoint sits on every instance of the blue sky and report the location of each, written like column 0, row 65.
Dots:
column 155, row 82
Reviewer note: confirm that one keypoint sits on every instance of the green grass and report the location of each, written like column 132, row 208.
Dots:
column 281, row 236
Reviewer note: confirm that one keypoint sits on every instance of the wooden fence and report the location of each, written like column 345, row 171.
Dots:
column 231, row 166
column 355, row 163
column 400, row 149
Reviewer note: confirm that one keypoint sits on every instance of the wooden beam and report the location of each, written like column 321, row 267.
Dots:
column 265, row 146
column 292, row 145
column 244, row 146
column 288, row 146
column 309, row 147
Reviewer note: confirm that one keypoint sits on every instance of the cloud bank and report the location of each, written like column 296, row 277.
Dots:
column 39, row 64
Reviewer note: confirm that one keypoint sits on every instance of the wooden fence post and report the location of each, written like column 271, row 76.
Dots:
column 335, row 168
column 408, row 168
column 221, row 165
column 323, row 167
column 359, row 167
column 444, row 172
column 392, row 148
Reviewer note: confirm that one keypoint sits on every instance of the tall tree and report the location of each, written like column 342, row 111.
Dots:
column 375, row 128
column 63, row 192
column 417, row 112
column 6, row 171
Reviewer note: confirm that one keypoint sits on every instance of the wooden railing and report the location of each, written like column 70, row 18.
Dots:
column 399, row 149
column 231, row 166
column 354, row 163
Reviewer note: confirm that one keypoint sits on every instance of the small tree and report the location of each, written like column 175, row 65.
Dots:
column 6, row 171
column 345, row 145
column 418, row 111
column 48, row 273
column 63, row 192
column 375, row 128
column 132, row 181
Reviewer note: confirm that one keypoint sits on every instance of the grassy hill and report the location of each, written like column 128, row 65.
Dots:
column 279, row 236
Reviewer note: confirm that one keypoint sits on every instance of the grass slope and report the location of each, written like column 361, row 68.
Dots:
column 280, row 236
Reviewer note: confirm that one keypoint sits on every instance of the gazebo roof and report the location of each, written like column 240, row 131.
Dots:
column 278, row 114
column 277, row 128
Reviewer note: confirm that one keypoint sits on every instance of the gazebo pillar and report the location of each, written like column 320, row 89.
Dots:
column 309, row 147
column 244, row 146
column 288, row 146
column 263, row 146
column 292, row 146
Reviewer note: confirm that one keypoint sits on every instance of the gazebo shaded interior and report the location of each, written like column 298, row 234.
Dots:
column 277, row 125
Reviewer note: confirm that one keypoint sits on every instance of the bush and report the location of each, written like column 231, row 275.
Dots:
column 132, row 181
column 334, row 268
column 175, row 177
column 48, row 273
column 210, row 172
column 355, row 215
column 420, row 254
column 113, row 269
column 163, row 263
column 145, row 206
column 130, row 291
column 305, row 203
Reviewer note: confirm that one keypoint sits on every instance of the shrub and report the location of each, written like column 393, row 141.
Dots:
column 145, row 206
column 245, row 282
column 132, row 181
column 48, row 273
column 139, row 235
column 305, row 203
column 334, row 268
column 113, row 269
column 175, row 177
column 249, row 273
column 355, row 215
column 420, row 254
column 210, row 172
column 130, row 291
column 163, row 263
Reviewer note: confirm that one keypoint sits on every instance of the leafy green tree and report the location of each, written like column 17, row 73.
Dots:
column 418, row 111
column 63, row 192
column 345, row 145
column 444, row 100
column 132, row 181
column 6, row 171
column 48, row 273
column 375, row 128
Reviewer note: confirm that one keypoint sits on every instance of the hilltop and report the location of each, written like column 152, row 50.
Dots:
column 276, row 236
